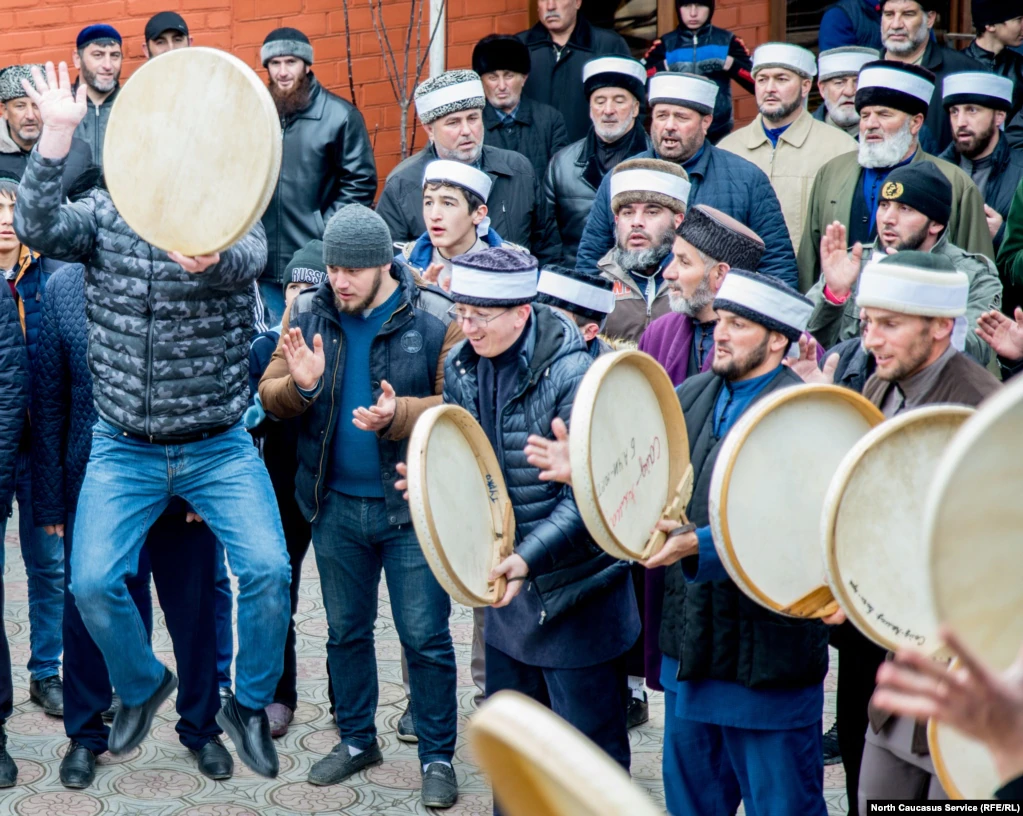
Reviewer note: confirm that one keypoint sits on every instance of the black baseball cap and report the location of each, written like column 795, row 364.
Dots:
column 165, row 21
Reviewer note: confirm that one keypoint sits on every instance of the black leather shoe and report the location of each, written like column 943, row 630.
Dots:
column 440, row 788
column 78, row 767
column 249, row 730
column 339, row 764
column 214, row 760
column 406, row 727
column 131, row 723
column 832, row 753
column 637, row 712
column 225, row 695
column 8, row 770
column 48, row 694
column 110, row 713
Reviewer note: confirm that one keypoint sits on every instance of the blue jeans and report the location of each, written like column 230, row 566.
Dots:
column 44, row 564
column 272, row 295
column 128, row 484
column 223, row 605
column 353, row 540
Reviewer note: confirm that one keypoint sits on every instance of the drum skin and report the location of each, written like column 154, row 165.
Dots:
column 871, row 527
column 459, row 503
column 964, row 766
column 767, row 492
column 539, row 765
column 192, row 150
column 629, row 450
column 973, row 527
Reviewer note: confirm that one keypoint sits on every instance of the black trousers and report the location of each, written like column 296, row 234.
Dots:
column 859, row 660
column 183, row 561
column 6, row 680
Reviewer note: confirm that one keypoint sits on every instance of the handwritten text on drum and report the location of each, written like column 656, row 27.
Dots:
column 491, row 488
column 898, row 631
column 646, row 462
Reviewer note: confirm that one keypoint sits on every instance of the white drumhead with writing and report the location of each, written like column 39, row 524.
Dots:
column 874, row 548
column 768, row 487
column 192, row 150
column 973, row 525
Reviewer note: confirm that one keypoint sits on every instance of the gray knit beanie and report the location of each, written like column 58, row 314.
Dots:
column 357, row 238
column 286, row 42
column 10, row 81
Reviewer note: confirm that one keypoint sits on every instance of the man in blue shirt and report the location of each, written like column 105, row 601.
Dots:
column 378, row 343
column 744, row 706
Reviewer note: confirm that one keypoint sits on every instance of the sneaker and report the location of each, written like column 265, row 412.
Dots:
column 48, row 693
column 406, row 728
column 832, row 753
column 280, row 717
column 638, row 711
column 339, row 764
column 440, row 788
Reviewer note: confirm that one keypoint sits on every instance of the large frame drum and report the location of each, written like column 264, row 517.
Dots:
column 629, row 452
column 874, row 549
column 767, row 492
column 460, row 508
column 192, row 150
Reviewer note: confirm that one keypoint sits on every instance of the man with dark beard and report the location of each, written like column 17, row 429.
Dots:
column 977, row 103
column 681, row 110
column 915, row 204
column 648, row 199
column 327, row 160
column 97, row 56
column 892, row 99
column 393, row 335
column 784, row 140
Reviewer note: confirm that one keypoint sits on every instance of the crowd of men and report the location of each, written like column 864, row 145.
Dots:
column 165, row 416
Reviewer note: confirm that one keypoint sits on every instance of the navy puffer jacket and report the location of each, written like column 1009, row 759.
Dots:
column 13, row 395
column 719, row 179
column 62, row 406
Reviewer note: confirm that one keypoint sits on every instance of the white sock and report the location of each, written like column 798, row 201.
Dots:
column 435, row 762
column 636, row 686
column 353, row 751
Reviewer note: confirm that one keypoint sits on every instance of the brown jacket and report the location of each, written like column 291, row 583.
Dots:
column 632, row 314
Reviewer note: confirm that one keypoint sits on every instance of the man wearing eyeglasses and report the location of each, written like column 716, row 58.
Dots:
column 360, row 358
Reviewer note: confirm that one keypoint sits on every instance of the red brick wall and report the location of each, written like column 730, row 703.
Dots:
column 40, row 30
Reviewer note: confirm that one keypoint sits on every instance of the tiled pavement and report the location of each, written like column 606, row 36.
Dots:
column 160, row 777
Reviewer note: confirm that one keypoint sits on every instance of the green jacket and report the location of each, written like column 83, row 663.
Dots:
column 830, row 324
column 831, row 200
column 1010, row 253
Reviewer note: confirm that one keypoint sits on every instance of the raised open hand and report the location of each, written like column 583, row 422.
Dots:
column 551, row 456
column 839, row 266
column 1002, row 333
column 305, row 364
column 59, row 108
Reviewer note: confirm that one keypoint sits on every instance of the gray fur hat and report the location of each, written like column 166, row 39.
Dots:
column 448, row 93
column 286, row 42
column 10, row 81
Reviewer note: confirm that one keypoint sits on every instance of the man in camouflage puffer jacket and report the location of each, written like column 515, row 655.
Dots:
column 169, row 358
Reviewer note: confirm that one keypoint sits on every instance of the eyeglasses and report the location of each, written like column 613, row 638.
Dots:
column 474, row 321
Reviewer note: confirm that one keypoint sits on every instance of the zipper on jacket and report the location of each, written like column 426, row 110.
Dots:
column 330, row 420
column 696, row 40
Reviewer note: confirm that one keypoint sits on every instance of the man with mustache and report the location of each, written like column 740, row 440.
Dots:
column 784, row 140
column 97, row 56
column 326, row 162
column 977, row 104
column 616, row 88
column 681, row 108
column 560, row 43
column 892, row 99
column 906, row 33
column 837, row 72
column 648, row 199
column 21, row 128
column 450, row 106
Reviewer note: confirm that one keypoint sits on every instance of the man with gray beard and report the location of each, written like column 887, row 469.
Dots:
column 616, row 89
column 906, row 34
column 837, row 72
column 648, row 199
column 892, row 100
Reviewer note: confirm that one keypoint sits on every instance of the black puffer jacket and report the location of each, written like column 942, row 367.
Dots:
column 557, row 79
column 537, row 132
column 63, row 412
column 1006, row 63
column 517, row 209
column 168, row 350
column 570, row 186
column 713, row 629
column 327, row 162
column 13, row 395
